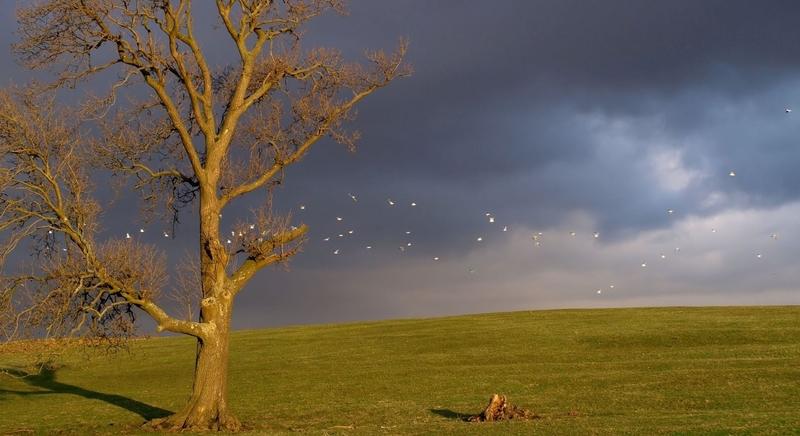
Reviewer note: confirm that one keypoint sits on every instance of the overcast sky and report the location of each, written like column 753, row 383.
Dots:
column 557, row 117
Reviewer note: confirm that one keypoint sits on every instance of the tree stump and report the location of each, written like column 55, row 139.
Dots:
column 500, row 409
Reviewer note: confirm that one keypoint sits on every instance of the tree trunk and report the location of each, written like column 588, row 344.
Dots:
column 207, row 408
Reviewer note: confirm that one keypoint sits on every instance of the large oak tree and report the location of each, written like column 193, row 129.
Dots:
column 185, row 132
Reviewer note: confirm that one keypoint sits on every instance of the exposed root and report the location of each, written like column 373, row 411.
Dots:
column 180, row 422
column 500, row 409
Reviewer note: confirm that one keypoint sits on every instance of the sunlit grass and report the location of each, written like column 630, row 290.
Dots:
column 609, row 371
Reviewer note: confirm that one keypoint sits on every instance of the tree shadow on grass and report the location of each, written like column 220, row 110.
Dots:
column 46, row 380
column 449, row 414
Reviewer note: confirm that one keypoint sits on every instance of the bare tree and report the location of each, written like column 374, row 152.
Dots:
column 202, row 136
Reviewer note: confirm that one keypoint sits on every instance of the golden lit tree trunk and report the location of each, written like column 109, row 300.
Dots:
column 208, row 405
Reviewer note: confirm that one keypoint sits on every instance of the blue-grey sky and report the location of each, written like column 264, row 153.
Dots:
column 554, row 116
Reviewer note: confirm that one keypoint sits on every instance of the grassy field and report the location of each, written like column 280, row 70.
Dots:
column 608, row 371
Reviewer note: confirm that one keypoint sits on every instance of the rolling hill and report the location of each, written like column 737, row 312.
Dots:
column 606, row 371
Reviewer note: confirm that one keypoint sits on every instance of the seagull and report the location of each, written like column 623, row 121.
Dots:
column 127, row 235
column 341, row 235
column 596, row 235
column 480, row 238
column 505, row 228
column 436, row 258
column 355, row 200
column 758, row 255
column 572, row 233
column 336, row 251
column 413, row 204
column 252, row 226
column 663, row 256
column 302, row 207
column 610, row 286
column 389, row 200
column 644, row 265
column 228, row 241
column 788, row 110
column 338, row 218
column 326, row 239
column 670, row 211
column 369, row 247
column 408, row 232
column 166, row 235
column 349, row 232
column 732, row 173
column 599, row 291
column 401, row 248
column 141, row 230
column 49, row 232
column 774, row 236
column 491, row 219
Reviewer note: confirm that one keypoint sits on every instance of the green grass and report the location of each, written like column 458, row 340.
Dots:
column 608, row 371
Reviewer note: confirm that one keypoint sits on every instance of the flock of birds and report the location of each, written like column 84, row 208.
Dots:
column 536, row 237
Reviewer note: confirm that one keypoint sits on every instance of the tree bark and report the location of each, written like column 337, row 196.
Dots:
column 207, row 408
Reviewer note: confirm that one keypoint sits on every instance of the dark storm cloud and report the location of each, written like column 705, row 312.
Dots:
column 500, row 89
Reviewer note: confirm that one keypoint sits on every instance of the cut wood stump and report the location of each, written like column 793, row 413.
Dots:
column 500, row 409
